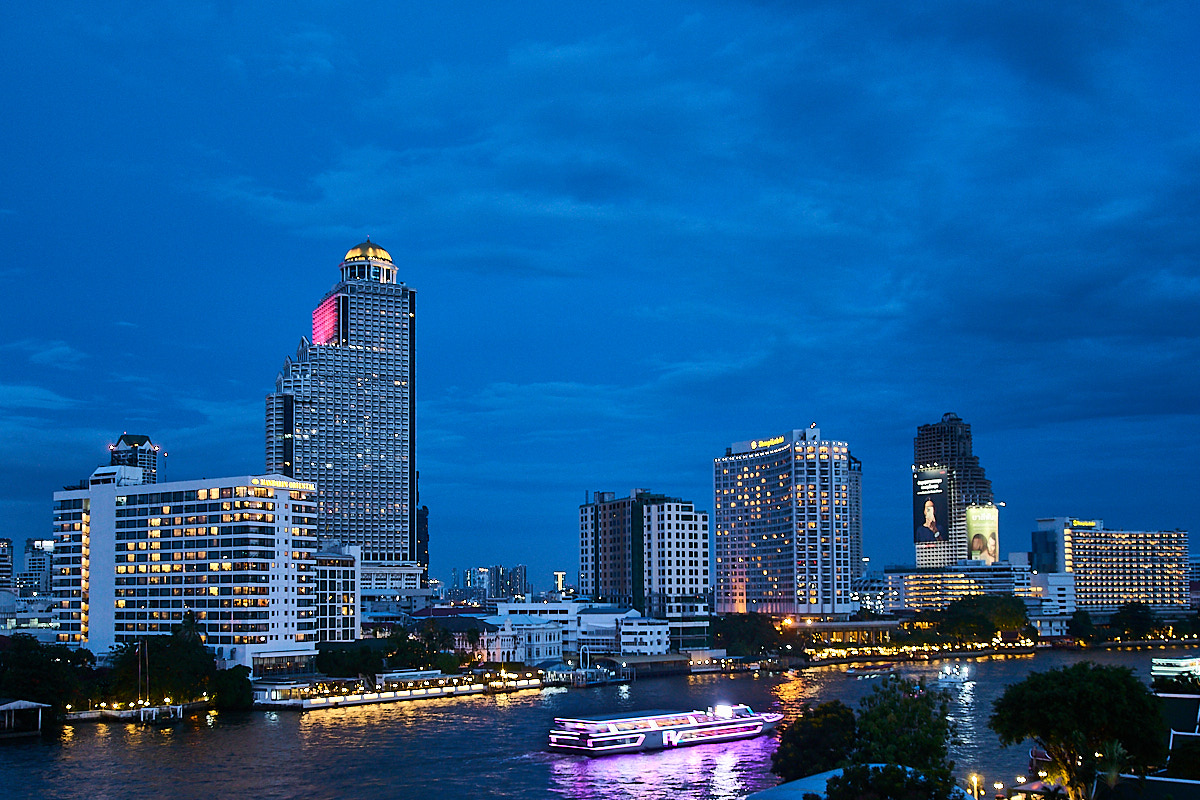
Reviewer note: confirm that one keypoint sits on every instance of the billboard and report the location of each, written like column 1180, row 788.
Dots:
column 931, row 518
column 983, row 531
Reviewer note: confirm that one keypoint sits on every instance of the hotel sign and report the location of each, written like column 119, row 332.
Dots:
column 1084, row 523
column 758, row 444
column 274, row 484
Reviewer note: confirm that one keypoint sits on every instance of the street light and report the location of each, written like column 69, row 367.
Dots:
column 975, row 779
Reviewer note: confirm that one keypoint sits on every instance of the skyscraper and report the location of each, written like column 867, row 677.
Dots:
column 342, row 417
column 135, row 450
column 947, row 478
column 785, row 518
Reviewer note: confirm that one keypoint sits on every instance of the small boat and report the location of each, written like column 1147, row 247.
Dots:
column 658, row 730
column 952, row 675
column 871, row 670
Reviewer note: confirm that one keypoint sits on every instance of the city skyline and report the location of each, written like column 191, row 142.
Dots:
column 631, row 234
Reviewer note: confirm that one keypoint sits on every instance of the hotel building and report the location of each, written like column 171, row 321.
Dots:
column 342, row 417
column 1114, row 567
column 648, row 552
column 130, row 559
column 784, row 531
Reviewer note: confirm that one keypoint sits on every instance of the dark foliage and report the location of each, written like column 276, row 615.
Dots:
column 231, row 689
column 820, row 739
column 1077, row 712
column 890, row 782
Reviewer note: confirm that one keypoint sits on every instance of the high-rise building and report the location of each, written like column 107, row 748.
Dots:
column 947, row 478
column 1114, row 567
column 342, row 417
column 35, row 579
column 858, row 567
column 131, row 559
column 136, row 450
column 784, row 530
column 649, row 552
column 6, row 564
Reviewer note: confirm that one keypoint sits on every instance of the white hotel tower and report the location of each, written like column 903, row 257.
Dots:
column 785, row 517
column 342, row 417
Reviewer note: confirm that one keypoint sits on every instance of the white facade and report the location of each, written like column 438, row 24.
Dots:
column 1055, row 592
column 342, row 417
column 511, row 637
column 131, row 559
column 783, row 519
column 643, row 637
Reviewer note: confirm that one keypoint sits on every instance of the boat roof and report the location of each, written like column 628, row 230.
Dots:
column 636, row 715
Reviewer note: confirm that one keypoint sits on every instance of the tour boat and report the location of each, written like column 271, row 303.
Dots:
column 656, row 730
column 952, row 675
column 871, row 670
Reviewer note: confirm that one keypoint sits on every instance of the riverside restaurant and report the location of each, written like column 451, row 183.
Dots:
column 304, row 694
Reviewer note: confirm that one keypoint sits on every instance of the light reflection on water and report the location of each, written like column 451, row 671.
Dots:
column 485, row 745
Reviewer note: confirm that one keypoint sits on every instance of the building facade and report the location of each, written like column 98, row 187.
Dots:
column 130, row 559
column 649, row 552
column 782, row 513
column 935, row 588
column 342, row 417
column 1114, row 567
column 943, row 452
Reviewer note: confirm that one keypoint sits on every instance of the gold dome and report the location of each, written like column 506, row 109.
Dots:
column 367, row 249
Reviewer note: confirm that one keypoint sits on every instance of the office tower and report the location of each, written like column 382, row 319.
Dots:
column 783, row 525
column 649, row 552
column 134, row 450
column 6, row 564
column 1114, row 567
column 946, row 479
column 854, row 509
column 35, row 579
column 342, row 417
column 130, row 559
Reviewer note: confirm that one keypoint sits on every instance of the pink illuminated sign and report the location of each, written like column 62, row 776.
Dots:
column 325, row 321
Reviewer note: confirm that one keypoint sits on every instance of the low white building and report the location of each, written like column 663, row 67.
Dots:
column 508, row 637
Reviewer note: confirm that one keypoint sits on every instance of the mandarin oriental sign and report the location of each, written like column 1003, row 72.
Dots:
column 274, row 484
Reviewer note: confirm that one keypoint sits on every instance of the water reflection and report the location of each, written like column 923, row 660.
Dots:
column 485, row 746
column 722, row 772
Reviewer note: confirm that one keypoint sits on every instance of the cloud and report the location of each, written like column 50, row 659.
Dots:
column 47, row 353
column 16, row 396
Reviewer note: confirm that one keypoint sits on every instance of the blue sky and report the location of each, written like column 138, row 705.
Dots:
column 637, row 235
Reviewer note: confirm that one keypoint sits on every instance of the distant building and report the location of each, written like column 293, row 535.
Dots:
column 785, row 520
column 342, row 417
column 6, row 564
column 130, row 559
column 35, row 579
column 947, row 477
column 505, row 638
column 136, row 450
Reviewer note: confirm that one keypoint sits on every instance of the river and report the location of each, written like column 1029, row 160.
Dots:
column 491, row 746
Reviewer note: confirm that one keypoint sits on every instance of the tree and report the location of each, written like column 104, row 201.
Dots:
column 45, row 673
column 820, row 739
column 1080, row 626
column 979, row 617
column 1133, row 621
column 900, row 723
column 1076, row 714
column 749, row 635
column 232, row 690
column 890, row 782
